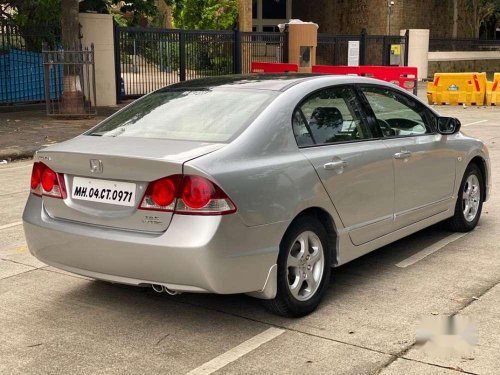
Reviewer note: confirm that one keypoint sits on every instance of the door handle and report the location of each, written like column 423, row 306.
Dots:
column 402, row 155
column 335, row 164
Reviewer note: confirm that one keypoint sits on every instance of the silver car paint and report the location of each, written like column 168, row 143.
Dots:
column 271, row 181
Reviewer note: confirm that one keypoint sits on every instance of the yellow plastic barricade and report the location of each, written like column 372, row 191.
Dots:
column 493, row 91
column 457, row 88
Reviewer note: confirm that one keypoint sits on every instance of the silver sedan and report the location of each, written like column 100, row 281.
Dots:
column 258, row 185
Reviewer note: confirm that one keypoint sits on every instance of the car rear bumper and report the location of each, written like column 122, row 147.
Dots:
column 216, row 254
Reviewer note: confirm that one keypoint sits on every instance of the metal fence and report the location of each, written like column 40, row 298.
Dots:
column 21, row 63
column 447, row 45
column 373, row 49
column 149, row 58
column 69, row 82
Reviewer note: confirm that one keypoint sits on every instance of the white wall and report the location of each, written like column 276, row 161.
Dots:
column 98, row 29
column 419, row 50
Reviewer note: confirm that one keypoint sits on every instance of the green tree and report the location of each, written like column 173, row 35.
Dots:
column 32, row 16
column 204, row 14
column 478, row 11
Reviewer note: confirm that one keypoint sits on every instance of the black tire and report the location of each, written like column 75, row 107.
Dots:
column 285, row 303
column 458, row 222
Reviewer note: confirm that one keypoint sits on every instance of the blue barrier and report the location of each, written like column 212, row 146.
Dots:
column 21, row 77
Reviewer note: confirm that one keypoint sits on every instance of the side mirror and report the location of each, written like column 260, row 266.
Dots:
column 448, row 125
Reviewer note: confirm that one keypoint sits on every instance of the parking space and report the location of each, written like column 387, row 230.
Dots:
column 58, row 323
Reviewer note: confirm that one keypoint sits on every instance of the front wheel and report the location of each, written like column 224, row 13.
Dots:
column 303, row 269
column 469, row 202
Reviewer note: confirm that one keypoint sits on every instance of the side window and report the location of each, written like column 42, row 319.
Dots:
column 398, row 115
column 328, row 116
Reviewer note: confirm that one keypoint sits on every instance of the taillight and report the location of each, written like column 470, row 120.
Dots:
column 160, row 194
column 188, row 195
column 44, row 181
column 36, row 179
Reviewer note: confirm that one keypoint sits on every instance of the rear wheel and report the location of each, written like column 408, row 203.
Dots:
column 303, row 269
column 469, row 202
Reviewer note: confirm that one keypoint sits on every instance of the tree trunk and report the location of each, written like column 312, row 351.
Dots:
column 70, row 27
column 455, row 19
column 72, row 102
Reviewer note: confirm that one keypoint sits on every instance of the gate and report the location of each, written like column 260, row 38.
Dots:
column 149, row 58
column 373, row 49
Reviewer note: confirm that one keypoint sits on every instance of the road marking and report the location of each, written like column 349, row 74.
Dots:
column 477, row 122
column 429, row 250
column 237, row 352
column 11, row 225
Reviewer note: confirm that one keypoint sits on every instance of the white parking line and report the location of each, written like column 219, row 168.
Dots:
column 477, row 122
column 430, row 250
column 237, row 352
column 11, row 225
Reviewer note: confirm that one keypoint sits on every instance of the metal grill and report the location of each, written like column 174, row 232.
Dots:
column 441, row 44
column 69, row 78
column 333, row 49
column 148, row 58
column 263, row 47
column 373, row 49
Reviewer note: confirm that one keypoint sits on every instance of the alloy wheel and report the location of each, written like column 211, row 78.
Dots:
column 471, row 198
column 305, row 266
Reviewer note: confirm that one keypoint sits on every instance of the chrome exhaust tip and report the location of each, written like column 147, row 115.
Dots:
column 170, row 292
column 158, row 288
column 163, row 289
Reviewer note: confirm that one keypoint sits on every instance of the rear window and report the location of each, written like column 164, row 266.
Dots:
column 216, row 115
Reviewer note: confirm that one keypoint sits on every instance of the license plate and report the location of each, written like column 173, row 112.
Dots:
column 103, row 191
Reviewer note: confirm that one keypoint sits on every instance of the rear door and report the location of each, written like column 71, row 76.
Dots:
column 424, row 163
column 354, row 167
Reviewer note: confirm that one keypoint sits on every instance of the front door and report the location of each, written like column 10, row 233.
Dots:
column 354, row 167
column 424, row 164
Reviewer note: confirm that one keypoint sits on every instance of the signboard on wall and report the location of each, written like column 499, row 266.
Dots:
column 353, row 53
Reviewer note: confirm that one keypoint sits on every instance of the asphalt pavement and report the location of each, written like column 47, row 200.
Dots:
column 52, row 322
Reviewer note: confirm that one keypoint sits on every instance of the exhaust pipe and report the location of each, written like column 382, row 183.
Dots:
column 162, row 289
column 158, row 288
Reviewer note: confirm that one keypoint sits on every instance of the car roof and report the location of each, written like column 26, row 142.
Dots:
column 275, row 82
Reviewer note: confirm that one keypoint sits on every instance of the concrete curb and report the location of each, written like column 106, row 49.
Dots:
column 18, row 155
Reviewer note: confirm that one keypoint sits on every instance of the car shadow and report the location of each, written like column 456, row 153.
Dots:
column 377, row 264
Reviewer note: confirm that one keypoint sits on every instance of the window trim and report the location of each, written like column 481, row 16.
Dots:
column 365, row 121
column 373, row 118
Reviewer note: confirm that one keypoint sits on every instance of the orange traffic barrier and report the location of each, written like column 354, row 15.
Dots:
column 457, row 88
column 493, row 91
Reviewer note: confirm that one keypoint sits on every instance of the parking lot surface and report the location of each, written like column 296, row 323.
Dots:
column 58, row 323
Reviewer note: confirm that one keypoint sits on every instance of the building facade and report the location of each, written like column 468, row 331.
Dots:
column 379, row 17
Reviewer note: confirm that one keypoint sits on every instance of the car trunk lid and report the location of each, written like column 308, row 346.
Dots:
column 115, row 164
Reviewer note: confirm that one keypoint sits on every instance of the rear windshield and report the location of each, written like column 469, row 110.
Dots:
column 216, row 115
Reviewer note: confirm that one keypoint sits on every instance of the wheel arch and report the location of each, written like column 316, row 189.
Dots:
column 480, row 162
column 328, row 223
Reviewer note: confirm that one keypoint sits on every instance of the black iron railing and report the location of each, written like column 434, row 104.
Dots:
column 149, row 58
column 446, row 45
column 373, row 49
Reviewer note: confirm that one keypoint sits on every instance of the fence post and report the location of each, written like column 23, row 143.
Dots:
column 362, row 47
column 286, row 36
column 407, row 46
column 236, row 50
column 118, row 73
column 182, row 55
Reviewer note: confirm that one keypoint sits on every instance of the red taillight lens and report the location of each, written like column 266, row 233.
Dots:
column 160, row 194
column 188, row 195
column 36, row 178
column 197, row 191
column 44, row 181
column 49, row 179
